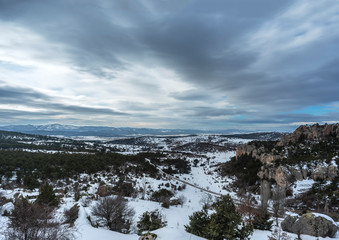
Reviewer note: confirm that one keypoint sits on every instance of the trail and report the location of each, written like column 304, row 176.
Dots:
column 236, row 201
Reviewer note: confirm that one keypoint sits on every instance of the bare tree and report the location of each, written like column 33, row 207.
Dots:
column 71, row 214
column 114, row 213
column 246, row 208
column 207, row 200
column 278, row 198
column 265, row 192
column 30, row 221
column 143, row 188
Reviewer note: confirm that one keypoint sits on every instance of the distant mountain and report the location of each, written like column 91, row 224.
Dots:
column 74, row 131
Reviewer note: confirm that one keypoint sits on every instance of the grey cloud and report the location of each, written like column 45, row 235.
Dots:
column 290, row 92
column 198, row 40
column 191, row 95
column 31, row 98
column 215, row 112
column 204, row 112
column 11, row 95
column 194, row 39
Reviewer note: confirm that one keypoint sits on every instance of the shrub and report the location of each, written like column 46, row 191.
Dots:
column 114, row 213
column 262, row 221
column 245, row 168
column 31, row 182
column 47, row 195
column 162, row 195
column 124, row 188
column 71, row 215
column 165, row 204
column 30, row 221
column 224, row 223
column 150, row 221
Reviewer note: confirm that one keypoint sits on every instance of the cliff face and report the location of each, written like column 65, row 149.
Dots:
column 261, row 153
column 304, row 148
column 315, row 132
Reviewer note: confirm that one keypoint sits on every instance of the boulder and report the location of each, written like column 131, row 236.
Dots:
column 104, row 190
column 317, row 225
column 148, row 236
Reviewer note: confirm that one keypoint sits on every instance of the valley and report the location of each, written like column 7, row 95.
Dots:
column 194, row 170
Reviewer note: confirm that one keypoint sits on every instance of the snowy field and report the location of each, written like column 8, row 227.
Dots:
column 203, row 175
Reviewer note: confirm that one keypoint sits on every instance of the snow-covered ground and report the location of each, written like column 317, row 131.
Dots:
column 204, row 175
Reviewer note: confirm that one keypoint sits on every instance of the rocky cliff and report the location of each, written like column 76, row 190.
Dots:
column 308, row 152
column 311, row 133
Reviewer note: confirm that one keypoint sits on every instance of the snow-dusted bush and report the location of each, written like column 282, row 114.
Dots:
column 30, row 221
column 224, row 223
column 71, row 214
column 113, row 212
column 150, row 221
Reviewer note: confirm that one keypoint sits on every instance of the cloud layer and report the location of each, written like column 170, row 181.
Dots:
column 175, row 64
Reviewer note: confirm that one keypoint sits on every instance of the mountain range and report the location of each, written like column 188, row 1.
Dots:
column 104, row 131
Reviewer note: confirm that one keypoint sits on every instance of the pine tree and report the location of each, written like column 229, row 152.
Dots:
column 47, row 195
column 150, row 221
column 199, row 222
column 262, row 221
column 224, row 223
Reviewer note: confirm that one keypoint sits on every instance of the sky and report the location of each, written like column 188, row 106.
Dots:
column 196, row 64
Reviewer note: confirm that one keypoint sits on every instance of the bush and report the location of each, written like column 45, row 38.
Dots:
column 31, row 182
column 262, row 221
column 124, row 188
column 72, row 214
column 150, row 221
column 47, row 195
column 165, row 204
column 162, row 195
column 30, row 221
column 245, row 168
column 224, row 223
column 114, row 213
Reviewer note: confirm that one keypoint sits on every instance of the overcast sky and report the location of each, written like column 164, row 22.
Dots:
column 256, row 65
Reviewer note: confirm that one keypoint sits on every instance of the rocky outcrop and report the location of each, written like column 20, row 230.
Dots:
column 301, row 140
column 148, row 236
column 283, row 175
column 315, row 132
column 279, row 174
column 310, row 224
column 259, row 153
column 105, row 190
column 325, row 172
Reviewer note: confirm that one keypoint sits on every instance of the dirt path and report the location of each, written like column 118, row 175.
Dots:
column 236, row 201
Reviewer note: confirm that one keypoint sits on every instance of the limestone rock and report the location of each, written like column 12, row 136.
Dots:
column 310, row 224
column 104, row 190
column 315, row 132
column 325, row 172
column 148, row 236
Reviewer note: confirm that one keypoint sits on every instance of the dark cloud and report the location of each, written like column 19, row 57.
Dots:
column 191, row 95
column 204, row 43
column 206, row 112
column 30, row 98
column 11, row 95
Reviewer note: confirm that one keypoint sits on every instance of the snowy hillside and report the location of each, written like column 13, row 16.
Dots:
column 202, row 184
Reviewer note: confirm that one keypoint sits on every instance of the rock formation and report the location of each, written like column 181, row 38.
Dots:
column 148, row 236
column 304, row 137
column 315, row 132
column 310, row 224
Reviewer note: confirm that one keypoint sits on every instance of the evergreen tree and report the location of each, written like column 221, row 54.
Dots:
column 224, row 223
column 47, row 195
column 262, row 221
column 150, row 221
column 199, row 222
